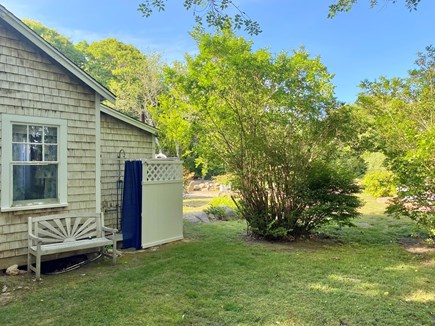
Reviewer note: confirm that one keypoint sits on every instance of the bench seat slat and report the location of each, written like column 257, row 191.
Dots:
column 54, row 248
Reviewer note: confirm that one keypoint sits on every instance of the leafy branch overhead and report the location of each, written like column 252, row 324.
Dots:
column 346, row 5
column 213, row 12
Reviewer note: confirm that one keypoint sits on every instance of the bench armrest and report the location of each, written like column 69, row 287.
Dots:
column 34, row 237
column 110, row 230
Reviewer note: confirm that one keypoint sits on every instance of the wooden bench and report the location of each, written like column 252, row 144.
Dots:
column 54, row 234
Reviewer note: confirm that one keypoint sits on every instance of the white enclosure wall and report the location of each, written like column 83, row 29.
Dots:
column 162, row 202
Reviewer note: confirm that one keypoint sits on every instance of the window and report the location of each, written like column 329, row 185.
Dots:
column 34, row 163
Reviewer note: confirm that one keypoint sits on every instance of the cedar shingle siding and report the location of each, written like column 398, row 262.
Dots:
column 32, row 85
column 117, row 135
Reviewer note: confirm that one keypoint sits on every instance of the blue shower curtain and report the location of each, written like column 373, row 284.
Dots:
column 131, row 222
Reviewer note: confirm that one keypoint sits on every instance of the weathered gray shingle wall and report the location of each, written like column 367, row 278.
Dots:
column 117, row 135
column 32, row 85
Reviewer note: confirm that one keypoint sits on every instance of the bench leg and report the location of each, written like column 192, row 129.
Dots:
column 114, row 251
column 38, row 267
column 29, row 270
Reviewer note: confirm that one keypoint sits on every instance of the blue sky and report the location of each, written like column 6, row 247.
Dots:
column 361, row 44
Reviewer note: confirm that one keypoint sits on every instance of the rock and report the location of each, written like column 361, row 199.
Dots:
column 13, row 270
column 230, row 214
column 203, row 217
column 197, row 217
column 191, row 186
column 118, row 252
column 4, row 289
column 211, row 217
column 191, row 218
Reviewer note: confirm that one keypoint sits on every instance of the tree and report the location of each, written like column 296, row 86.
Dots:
column 172, row 117
column 401, row 113
column 133, row 76
column 346, row 5
column 274, row 123
column 60, row 42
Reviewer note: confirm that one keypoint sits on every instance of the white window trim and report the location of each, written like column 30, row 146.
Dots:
column 6, row 158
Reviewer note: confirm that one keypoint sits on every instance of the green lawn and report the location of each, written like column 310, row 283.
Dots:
column 196, row 204
column 218, row 276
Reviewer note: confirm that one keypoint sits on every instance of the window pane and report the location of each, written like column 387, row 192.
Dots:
column 19, row 133
column 19, row 152
column 50, row 135
column 35, row 134
column 35, row 152
column 50, row 153
column 34, row 182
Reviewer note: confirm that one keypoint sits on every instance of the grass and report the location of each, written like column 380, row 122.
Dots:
column 196, row 204
column 218, row 276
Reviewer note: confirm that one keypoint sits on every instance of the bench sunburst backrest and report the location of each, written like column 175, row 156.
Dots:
column 66, row 228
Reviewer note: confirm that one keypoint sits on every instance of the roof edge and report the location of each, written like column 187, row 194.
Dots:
column 125, row 118
column 55, row 54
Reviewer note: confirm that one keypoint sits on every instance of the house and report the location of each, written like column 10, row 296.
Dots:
column 60, row 147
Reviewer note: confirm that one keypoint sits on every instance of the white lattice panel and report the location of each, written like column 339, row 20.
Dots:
column 163, row 171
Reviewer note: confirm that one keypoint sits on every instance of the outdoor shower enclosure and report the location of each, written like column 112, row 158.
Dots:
column 152, row 210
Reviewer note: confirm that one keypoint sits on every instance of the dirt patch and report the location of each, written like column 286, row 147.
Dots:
column 311, row 243
column 14, row 287
column 416, row 246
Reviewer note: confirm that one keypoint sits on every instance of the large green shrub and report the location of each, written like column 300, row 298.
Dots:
column 290, row 207
column 274, row 122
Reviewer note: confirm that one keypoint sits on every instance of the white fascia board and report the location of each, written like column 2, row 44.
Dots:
column 125, row 118
column 97, row 155
column 52, row 52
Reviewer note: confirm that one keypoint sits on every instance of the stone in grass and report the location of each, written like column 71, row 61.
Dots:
column 197, row 217
column 230, row 214
column 203, row 217
column 14, row 271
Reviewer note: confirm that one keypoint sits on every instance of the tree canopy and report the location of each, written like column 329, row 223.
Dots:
column 60, row 42
column 274, row 122
column 400, row 112
column 133, row 76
